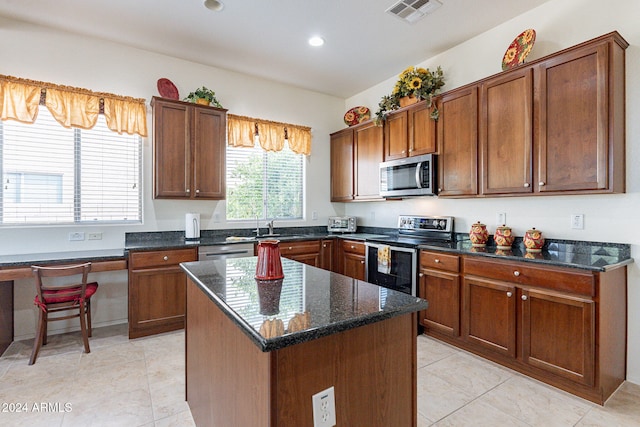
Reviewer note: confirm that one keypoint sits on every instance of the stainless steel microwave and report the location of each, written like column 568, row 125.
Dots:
column 408, row 177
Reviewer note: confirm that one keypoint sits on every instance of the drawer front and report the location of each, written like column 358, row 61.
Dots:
column 353, row 246
column 560, row 279
column 146, row 259
column 440, row 261
column 304, row 247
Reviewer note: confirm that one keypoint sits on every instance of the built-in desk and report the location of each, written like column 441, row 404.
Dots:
column 13, row 267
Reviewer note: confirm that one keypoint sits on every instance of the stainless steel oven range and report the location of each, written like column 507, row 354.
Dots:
column 392, row 261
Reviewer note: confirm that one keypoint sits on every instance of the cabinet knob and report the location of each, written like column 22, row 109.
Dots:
column 197, row 191
column 290, row 248
column 166, row 258
column 361, row 262
column 324, row 246
column 524, row 297
column 421, row 274
column 188, row 191
column 509, row 294
column 516, row 273
column 410, row 149
column 541, row 183
column 437, row 261
column 439, row 189
column 526, row 185
column 402, row 151
column 353, row 247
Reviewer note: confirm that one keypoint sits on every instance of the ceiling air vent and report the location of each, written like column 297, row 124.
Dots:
column 412, row 10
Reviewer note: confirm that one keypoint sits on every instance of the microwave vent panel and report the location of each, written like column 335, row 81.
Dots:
column 412, row 10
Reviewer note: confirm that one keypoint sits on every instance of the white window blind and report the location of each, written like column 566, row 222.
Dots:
column 54, row 175
column 264, row 184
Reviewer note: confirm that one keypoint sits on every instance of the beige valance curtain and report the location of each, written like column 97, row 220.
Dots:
column 71, row 106
column 243, row 131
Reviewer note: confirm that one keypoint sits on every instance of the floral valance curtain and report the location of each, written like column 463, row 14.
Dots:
column 243, row 132
column 70, row 106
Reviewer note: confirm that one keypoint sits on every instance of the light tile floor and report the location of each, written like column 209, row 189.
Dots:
column 140, row 382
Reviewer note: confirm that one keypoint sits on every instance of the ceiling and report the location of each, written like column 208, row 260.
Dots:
column 364, row 44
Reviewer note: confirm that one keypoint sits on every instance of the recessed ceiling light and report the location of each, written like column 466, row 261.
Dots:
column 214, row 5
column 316, row 41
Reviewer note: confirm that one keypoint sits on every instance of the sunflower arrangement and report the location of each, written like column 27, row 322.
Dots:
column 414, row 81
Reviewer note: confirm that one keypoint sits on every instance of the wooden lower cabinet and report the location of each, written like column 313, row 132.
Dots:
column 352, row 259
column 306, row 251
column 440, row 285
column 562, row 326
column 327, row 255
column 157, row 291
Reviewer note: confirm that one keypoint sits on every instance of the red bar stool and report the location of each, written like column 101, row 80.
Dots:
column 54, row 298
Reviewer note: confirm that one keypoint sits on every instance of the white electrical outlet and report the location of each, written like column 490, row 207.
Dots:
column 577, row 221
column 94, row 236
column 216, row 217
column 501, row 218
column 76, row 236
column 314, row 215
column 324, row 408
column 372, row 215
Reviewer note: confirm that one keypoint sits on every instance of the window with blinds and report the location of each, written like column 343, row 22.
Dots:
column 264, row 184
column 54, row 175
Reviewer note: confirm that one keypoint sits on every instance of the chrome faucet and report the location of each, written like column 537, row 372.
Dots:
column 270, row 225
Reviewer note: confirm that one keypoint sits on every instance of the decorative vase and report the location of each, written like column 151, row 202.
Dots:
column 533, row 240
column 408, row 100
column 269, row 265
column 478, row 235
column 503, row 237
column 202, row 101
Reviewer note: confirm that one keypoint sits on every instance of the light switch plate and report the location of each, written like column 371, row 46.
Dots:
column 577, row 221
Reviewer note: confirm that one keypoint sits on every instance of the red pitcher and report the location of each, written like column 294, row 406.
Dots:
column 269, row 266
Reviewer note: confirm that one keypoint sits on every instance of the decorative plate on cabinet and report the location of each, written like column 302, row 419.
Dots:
column 167, row 89
column 519, row 49
column 356, row 115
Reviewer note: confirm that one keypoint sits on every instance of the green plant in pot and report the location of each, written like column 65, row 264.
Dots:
column 203, row 96
column 414, row 84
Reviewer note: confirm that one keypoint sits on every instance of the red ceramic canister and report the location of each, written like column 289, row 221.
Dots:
column 269, row 265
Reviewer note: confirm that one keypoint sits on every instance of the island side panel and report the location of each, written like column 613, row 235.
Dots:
column 227, row 375
column 372, row 368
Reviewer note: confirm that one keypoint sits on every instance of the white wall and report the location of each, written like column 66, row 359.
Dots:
column 44, row 54
column 608, row 218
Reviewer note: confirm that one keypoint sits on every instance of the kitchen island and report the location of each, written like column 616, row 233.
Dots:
column 256, row 353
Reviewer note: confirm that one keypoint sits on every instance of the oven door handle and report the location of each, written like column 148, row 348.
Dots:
column 391, row 247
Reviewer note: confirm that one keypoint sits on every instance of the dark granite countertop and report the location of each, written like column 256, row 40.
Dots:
column 25, row 260
column 332, row 302
column 594, row 256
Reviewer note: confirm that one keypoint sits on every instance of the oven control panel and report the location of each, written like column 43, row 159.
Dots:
column 426, row 223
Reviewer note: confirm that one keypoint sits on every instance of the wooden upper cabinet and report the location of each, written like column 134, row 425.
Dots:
column 356, row 154
column 410, row 132
column 458, row 142
column 580, row 126
column 189, row 150
column 172, row 151
column 368, row 142
column 506, row 133
column 342, row 166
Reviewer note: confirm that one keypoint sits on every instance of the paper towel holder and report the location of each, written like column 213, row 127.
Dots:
column 192, row 226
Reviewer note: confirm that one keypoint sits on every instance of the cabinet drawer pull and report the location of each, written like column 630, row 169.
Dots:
column 516, row 273
column 437, row 261
column 526, row 184
column 290, row 248
column 187, row 190
column 166, row 258
column 361, row 262
column 509, row 294
column 524, row 297
column 353, row 247
column 402, row 151
column 421, row 274
column 541, row 183
column 197, row 191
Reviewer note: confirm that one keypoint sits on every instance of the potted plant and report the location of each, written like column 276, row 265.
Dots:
column 414, row 84
column 203, row 96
